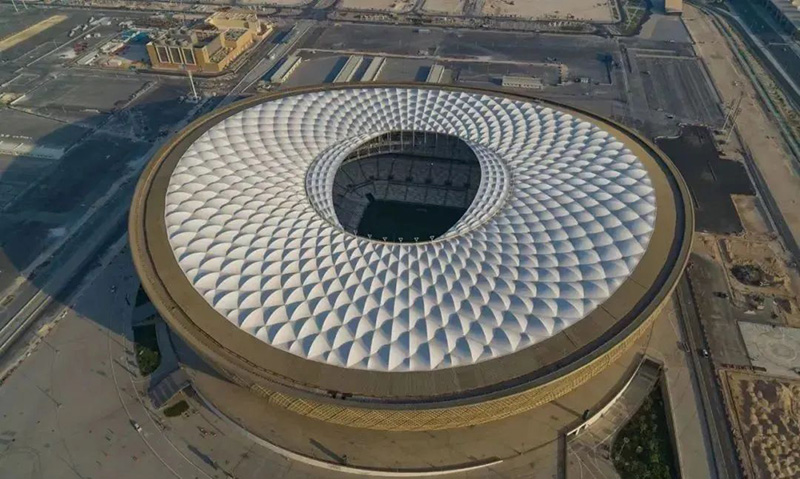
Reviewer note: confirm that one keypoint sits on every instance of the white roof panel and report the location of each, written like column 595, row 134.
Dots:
column 563, row 214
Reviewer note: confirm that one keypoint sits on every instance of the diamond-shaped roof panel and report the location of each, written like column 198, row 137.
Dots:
column 563, row 214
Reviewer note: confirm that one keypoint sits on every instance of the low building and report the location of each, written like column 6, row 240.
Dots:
column 209, row 47
column 512, row 81
column 349, row 69
column 435, row 74
column 673, row 6
column 233, row 20
column 286, row 69
column 374, row 69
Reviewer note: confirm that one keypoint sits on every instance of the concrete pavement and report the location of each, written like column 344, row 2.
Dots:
column 685, row 408
column 57, row 266
column 266, row 64
column 68, row 408
column 724, row 452
column 68, row 412
column 589, row 452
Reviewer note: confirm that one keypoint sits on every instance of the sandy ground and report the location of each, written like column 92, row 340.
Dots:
column 777, row 297
column 282, row 3
column 21, row 36
column 387, row 5
column 766, row 417
column 756, row 128
column 749, row 212
column 455, row 7
column 765, row 255
column 596, row 10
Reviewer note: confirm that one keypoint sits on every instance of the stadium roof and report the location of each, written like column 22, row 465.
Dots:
column 563, row 214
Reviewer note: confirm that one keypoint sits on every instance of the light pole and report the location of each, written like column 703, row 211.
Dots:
column 730, row 119
column 191, row 81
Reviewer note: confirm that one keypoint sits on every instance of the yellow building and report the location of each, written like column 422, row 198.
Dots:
column 209, row 47
column 673, row 6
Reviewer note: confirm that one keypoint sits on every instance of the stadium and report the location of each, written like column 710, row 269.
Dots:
column 395, row 259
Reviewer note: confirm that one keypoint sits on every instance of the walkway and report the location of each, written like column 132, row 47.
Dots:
column 589, row 452
column 685, row 410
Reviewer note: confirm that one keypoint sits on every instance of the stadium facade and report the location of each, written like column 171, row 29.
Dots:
column 274, row 238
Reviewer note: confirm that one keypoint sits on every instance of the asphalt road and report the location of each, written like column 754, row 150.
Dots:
column 725, row 458
column 79, row 388
column 67, row 264
column 260, row 69
column 762, row 27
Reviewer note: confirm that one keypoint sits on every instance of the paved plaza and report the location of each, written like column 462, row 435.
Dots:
column 774, row 348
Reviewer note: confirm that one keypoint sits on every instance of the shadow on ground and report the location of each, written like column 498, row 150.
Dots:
column 59, row 214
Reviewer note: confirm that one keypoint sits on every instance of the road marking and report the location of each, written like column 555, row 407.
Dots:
column 19, row 37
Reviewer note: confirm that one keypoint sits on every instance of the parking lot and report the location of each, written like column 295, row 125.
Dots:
column 582, row 54
column 37, row 45
column 712, row 180
column 678, row 85
column 23, row 131
column 83, row 92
